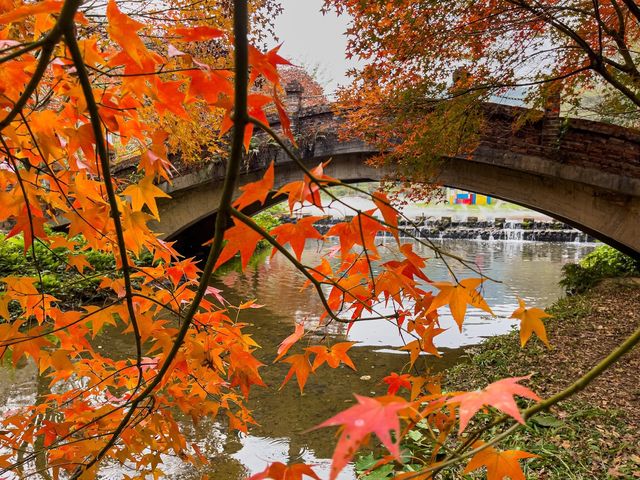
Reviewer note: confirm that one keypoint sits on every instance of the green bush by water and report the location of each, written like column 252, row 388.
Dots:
column 603, row 262
column 53, row 272
column 65, row 282
column 268, row 219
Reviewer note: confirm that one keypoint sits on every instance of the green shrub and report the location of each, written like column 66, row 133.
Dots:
column 266, row 220
column 603, row 262
column 50, row 266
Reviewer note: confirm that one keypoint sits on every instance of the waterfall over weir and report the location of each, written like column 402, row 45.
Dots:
column 526, row 230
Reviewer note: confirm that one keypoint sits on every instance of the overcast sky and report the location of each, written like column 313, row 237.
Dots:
column 313, row 39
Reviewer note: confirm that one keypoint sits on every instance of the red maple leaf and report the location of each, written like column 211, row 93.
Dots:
column 370, row 415
column 498, row 395
column 396, row 382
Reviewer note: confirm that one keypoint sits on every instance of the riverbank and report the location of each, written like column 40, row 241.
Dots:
column 596, row 433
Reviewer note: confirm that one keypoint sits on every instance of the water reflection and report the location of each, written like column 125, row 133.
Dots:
column 529, row 270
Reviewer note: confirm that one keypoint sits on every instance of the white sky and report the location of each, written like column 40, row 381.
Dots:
column 312, row 39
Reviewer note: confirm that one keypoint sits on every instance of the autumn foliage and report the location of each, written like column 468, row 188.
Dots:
column 78, row 81
column 429, row 66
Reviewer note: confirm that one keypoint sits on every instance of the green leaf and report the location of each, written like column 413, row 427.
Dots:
column 547, row 421
column 415, row 435
column 382, row 473
column 365, row 463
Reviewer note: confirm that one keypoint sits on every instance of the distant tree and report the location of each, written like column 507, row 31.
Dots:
column 428, row 64
column 312, row 91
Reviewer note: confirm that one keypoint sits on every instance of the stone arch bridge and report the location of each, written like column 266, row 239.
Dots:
column 584, row 173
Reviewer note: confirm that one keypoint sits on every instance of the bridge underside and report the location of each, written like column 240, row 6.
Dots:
column 605, row 213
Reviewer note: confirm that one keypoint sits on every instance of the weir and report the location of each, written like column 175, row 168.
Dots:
column 472, row 229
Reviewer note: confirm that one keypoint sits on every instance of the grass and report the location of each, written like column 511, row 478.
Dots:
column 577, row 439
column 590, row 436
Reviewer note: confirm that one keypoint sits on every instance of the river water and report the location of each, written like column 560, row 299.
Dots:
column 530, row 270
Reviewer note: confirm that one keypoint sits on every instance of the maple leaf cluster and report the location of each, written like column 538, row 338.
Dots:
column 77, row 88
column 355, row 286
column 75, row 85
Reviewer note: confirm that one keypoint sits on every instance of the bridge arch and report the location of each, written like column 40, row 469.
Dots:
column 588, row 178
column 190, row 216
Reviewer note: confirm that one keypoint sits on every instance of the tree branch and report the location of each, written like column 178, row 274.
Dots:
column 65, row 22
column 240, row 27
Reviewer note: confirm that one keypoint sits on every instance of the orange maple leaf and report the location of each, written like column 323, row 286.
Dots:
column 240, row 238
column 256, row 191
column 186, row 268
column 78, row 261
column 280, row 471
column 145, row 193
column 332, row 356
column 425, row 344
column 5, row 299
column 305, row 190
column 135, row 229
column 26, row 10
column 288, row 342
column 319, row 272
column 98, row 317
column 349, row 289
column 60, row 361
column 122, row 30
column 361, row 230
column 458, row 297
column 30, row 225
column 32, row 343
column 285, row 122
column 169, row 96
column 196, row 34
column 265, row 64
column 498, row 395
column 300, row 366
column 499, row 464
column 530, row 322
column 296, row 234
column 154, row 165
column 249, row 304
column 295, row 192
column 389, row 213
column 243, row 370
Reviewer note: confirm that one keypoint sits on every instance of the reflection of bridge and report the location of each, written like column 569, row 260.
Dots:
column 584, row 173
